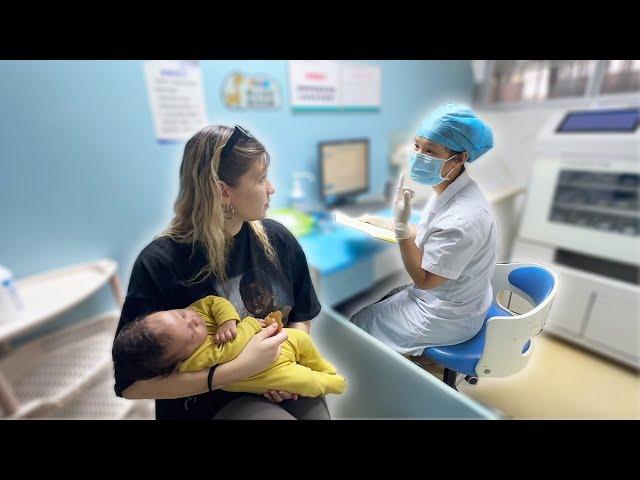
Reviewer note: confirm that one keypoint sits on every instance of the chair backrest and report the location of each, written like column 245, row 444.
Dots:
column 508, row 344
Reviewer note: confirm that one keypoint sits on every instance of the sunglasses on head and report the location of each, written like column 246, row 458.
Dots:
column 238, row 133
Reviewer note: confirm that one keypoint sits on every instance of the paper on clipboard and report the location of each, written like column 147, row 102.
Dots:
column 373, row 230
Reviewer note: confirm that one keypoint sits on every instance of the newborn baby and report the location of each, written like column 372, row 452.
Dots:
column 202, row 335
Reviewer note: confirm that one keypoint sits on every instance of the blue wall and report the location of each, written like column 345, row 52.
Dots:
column 83, row 176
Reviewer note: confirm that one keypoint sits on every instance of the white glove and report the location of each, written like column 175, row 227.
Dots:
column 402, row 210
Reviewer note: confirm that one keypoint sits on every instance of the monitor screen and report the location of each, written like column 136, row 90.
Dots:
column 600, row 121
column 344, row 168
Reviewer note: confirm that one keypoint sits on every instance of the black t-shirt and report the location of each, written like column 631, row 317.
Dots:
column 254, row 285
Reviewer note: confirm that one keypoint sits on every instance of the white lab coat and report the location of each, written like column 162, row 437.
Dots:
column 459, row 240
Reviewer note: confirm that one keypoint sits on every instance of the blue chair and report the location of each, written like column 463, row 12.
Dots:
column 503, row 346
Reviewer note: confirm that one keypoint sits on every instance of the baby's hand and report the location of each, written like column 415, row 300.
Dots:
column 226, row 332
column 262, row 322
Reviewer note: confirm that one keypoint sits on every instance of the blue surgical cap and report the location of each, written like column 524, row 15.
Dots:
column 458, row 128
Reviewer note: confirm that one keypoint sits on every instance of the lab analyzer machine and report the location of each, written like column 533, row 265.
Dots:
column 582, row 218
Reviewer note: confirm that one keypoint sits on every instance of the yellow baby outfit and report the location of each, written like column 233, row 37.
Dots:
column 298, row 369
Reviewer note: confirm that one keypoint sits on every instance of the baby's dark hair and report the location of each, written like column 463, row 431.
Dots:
column 139, row 353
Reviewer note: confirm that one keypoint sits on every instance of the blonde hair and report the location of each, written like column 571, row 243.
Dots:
column 199, row 217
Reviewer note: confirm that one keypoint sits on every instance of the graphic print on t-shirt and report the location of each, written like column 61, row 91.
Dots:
column 257, row 293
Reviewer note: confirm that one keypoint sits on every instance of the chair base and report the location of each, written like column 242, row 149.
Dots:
column 472, row 380
column 450, row 376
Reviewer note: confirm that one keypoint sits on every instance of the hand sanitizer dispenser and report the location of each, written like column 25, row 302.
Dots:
column 301, row 191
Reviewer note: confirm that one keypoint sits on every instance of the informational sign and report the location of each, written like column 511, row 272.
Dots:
column 361, row 85
column 250, row 92
column 176, row 97
column 314, row 84
column 334, row 85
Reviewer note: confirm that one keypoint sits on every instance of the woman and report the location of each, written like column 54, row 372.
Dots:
column 219, row 232
column 451, row 254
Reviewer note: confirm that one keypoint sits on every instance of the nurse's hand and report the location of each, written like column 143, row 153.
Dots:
column 402, row 210
column 377, row 221
column 278, row 396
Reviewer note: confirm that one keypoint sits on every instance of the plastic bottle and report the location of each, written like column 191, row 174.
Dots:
column 300, row 197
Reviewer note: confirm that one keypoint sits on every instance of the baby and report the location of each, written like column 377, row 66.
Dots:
column 187, row 340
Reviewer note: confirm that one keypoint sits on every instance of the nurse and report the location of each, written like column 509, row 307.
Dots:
column 451, row 254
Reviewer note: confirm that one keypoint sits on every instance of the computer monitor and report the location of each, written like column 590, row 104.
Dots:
column 344, row 169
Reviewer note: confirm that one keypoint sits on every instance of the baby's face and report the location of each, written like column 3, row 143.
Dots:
column 185, row 328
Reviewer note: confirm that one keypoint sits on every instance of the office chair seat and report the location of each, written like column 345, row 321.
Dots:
column 464, row 356
column 504, row 344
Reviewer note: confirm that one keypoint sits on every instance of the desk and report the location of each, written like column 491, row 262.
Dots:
column 344, row 262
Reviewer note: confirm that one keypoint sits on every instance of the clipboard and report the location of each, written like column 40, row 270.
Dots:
column 373, row 230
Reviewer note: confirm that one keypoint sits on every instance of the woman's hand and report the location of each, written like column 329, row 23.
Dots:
column 262, row 350
column 402, row 210
column 226, row 332
column 279, row 395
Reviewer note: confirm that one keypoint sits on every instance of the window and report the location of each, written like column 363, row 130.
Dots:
column 569, row 78
column 621, row 76
column 536, row 81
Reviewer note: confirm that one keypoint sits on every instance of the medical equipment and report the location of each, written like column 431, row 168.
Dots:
column 582, row 218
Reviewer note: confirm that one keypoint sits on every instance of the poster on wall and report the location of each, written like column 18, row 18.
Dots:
column 176, row 97
column 314, row 84
column 334, row 85
column 250, row 92
column 361, row 85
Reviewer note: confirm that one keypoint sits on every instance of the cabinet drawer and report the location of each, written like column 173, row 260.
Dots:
column 387, row 262
column 614, row 320
column 571, row 302
column 341, row 285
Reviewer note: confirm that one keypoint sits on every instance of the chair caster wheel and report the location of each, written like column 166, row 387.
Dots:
column 471, row 380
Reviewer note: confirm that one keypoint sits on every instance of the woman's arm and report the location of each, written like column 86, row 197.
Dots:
column 178, row 385
column 412, row 259
column 261, row 351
